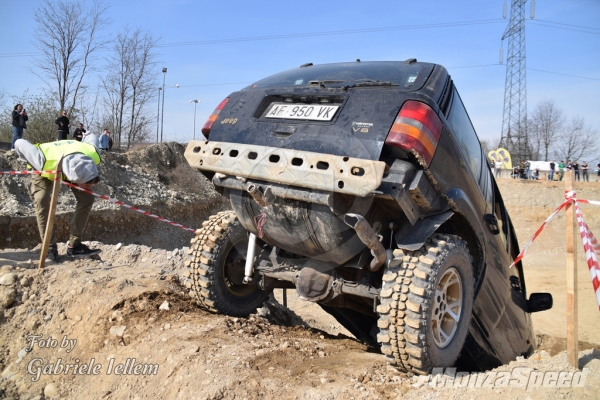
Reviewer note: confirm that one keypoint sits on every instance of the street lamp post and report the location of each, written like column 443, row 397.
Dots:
column 158, row 114
column 176, row 85
column 195, row 104
column 162, row 120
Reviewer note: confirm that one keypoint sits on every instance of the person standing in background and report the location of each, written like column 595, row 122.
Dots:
column 19, row 122
column 584, row 170
column 79, row 133
column 527, row 167
column 552, row 166
column 576, row 169
column 63, row 126
column 498, row 167
column 110, row 141
column 104, row 143
column 561, row 170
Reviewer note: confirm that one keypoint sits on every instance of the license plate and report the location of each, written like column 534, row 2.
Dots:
column 313, row 112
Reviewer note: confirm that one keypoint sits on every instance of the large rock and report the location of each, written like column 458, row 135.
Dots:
column 8, row 279
column 8, row 296
column 51, row 390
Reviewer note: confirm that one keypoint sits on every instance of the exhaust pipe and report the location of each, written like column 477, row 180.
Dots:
column 367, row 235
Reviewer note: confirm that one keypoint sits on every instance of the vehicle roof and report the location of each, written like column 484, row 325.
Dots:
column 407, row 75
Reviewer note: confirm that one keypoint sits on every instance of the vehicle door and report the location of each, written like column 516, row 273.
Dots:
column 494, row 291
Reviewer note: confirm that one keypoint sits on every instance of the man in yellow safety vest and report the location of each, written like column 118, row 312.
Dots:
column 79, row 165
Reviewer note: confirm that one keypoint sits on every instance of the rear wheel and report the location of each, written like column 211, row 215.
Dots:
column 426, row 305
column 216, row 268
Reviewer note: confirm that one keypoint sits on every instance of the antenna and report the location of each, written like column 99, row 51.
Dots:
column 514, row 120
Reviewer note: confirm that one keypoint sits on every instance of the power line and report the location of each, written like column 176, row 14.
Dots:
column 327, row 33
column 345, row 32
column 474, row 66
column 560, row 23
column 306, row 34
column 559, row 73
column 560, row 27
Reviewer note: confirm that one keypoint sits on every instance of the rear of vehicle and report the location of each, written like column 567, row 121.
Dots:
column 364, row 187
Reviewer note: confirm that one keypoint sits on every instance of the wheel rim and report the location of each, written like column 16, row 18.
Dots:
column 447, row 307
column 233, row 270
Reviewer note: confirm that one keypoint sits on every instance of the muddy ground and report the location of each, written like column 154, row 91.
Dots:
column 130, row 316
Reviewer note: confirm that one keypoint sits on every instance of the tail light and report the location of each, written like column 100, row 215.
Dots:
column 417, row 129
column 213, row 117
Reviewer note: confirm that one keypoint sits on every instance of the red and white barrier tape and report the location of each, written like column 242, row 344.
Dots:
column 590, row 244
column 26, row 172
column 132, row 208
column 105, row 198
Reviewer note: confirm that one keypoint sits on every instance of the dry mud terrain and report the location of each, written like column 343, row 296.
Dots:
column 128, row 319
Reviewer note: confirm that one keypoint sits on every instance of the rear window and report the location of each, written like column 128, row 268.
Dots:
column 405, row 75
column 465, row 134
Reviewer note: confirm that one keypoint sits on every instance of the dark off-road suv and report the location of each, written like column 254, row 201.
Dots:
column 364, row 186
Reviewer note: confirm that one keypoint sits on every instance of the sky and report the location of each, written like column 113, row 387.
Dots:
column 241, row 42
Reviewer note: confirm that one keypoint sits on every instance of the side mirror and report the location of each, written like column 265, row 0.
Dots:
column 492, row 223
column 539, row 302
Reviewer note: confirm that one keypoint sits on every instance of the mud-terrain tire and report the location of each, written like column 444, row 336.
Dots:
column 418, row 288
column 216, row 268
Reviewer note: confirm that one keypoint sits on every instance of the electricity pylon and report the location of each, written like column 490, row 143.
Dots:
column 514, row 120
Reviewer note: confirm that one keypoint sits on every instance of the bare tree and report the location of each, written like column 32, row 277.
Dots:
column 88, row 109
column 577, row 140
column 545, row 126
column 130, row 85
column 490, row 144
column 68, row 35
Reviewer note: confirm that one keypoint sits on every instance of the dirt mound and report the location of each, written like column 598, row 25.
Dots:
column 127, row 310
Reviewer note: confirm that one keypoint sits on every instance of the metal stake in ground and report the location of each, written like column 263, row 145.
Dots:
column 572, row 334
column 51, row 213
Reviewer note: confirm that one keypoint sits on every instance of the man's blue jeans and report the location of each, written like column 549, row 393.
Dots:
column 17, row 134
column 551, row 177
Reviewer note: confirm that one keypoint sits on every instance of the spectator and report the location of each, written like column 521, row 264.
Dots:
column 104, row 142
column 552, row 166
column 110, row 141
column 561, row 170
column 527, row 165
column 515, row 174
column 498, row 167
column 63, row 126
column 598, row 172
column 19, row 122
column 79, row 164
column 536, row 174
column 79, row 133
column 584, row 170
column 576, row 169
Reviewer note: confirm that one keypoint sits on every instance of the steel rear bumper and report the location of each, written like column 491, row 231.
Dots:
column 325, row 172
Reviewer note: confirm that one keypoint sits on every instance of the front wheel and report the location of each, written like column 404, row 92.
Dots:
column 217, row 268
column 426, row 305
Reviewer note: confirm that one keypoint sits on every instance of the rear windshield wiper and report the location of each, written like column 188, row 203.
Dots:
column 351, row 83
column 370, row 82
column 325, row 82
